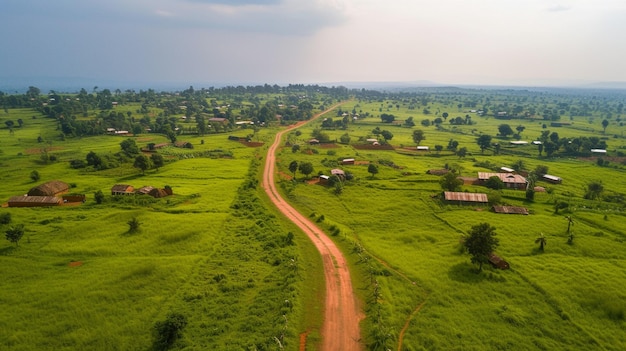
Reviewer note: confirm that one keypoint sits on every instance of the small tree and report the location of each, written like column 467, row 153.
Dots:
column 15, row 233
column 541, row 240
column 480, row 243
column 505, row 130
column 594, row 190
column 450, row 182
column 295, row 148
column 34, row 175
column 462, row 152
column 418, row 136
column 372, row 169
column 99, row 196
column 142, row 162
column 345, row 138
column 133, row 225
column 169, row 330
column 605, row 123
column 495, row 183
column 484, row 142
column 157, row 160
column 305, row 168
column 293, row 167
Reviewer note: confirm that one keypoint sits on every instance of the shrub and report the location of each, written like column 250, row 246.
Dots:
column 5, row 218
column 169, row 330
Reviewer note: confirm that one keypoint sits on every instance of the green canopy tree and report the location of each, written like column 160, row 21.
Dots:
column 372, row 169
column 142, row 162
column 418, row 136
column 293, row 167
column 305, row 168
column 484, row 142
column 480, row 243
column 157, row 160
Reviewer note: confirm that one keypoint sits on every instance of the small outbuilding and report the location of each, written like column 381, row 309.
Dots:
column 497, row 262
column 552, row 179
column 465, row 198
column 510, row 210
column 34, row 201
column 347, row 161
column 122, row 189
column 51, row 188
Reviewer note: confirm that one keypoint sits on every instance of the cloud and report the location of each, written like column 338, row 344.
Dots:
column 558, row 8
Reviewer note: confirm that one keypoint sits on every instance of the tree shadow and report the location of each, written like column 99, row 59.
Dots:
column 466, row 273
column 5, row 251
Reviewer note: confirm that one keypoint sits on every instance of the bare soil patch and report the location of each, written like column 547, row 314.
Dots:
column 38, row 150
column 75, row 263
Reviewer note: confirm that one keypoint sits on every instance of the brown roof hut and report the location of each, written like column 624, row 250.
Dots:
column 122, row 189
column 497, row 261
column 51, row 188
column 34, row 201
column 465, row 198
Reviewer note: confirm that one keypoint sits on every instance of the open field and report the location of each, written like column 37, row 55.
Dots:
column 214, row 252
column 568, row 297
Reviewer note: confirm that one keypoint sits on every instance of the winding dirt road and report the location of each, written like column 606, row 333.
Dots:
column 340, row 330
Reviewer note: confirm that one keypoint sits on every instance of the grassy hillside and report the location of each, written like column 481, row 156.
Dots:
column 214, row 252
column 420, row 288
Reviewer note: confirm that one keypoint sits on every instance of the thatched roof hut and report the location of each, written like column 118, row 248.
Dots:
column 51, row 188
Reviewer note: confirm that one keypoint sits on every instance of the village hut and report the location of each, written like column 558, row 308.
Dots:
column 34, row 201
column 51, row 188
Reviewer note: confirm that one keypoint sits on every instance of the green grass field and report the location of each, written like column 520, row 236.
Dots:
column 215, row 252
column 218, row 253
column 568, row 297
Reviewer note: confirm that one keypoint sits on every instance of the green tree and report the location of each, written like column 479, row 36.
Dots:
column 605, row 123
column 484, row 142
column 129, row 147
column 34, row 175
column 201, row 124
column 372, row 169
column 520, row 129
column 293, row 167
column 462, row 152
column 99, row 196
column 157, row 160
column 15, row 233
column 480, row 243
column 133, row 225
column 541, row 240
column 345, row 138
column 450, row 182
column 142, row 162
column 305, row 168
column 387, row 135
column 295, row 148
column 494, row 183
column 594, row 190
column 418, row 136
column 505, row 130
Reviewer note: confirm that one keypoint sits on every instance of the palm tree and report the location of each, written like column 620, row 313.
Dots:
column 541, row 240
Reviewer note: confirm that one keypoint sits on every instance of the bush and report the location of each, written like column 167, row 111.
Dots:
column 169, row 330
column 5, row 218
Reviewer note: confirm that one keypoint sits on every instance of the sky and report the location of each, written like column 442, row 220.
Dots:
column 478, row 42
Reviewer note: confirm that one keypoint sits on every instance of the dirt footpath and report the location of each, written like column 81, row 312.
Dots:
column 340, row 330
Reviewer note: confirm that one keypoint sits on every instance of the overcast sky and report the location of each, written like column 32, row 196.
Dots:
column 509, row 42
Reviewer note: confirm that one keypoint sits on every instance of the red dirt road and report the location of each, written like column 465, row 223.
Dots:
column 340, row 330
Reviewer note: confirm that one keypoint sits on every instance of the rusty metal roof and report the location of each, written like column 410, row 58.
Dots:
column 467, row 197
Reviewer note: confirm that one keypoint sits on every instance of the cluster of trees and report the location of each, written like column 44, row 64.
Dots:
column 129, row 152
